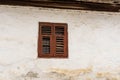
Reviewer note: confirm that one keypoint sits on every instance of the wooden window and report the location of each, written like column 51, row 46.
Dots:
column 53, row 40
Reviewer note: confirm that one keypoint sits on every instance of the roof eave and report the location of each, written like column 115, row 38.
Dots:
column 77, row 5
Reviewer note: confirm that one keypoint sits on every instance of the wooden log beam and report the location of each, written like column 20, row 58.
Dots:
column 78, row 5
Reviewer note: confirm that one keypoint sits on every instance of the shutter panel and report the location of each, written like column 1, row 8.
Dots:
column 46, row 30
column 46, row 45
column 59, row 45
column 59, row 32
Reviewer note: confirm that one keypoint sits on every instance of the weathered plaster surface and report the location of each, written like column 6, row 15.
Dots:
column 94, row 45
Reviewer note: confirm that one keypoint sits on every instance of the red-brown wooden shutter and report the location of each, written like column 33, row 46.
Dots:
column 52, row 41
column 45, row 40
column 61, row 49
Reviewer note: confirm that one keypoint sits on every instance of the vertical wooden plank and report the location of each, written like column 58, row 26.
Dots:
column 66, row 41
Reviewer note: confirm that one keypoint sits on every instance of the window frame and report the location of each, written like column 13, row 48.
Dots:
column 53, row 53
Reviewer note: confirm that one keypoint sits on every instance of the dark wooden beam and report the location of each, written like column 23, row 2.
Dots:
column 78, row 5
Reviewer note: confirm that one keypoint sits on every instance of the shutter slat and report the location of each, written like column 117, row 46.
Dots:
column 46, row 45
column 59, row 45
column 59, row 30
column 46, row 30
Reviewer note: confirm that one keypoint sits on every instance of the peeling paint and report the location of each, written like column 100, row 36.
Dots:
column 71, row 72
column 81, row 74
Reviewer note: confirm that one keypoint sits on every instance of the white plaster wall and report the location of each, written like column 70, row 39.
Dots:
column 94, row 39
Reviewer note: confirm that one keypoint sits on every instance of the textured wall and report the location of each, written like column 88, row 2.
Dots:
column 94, row 45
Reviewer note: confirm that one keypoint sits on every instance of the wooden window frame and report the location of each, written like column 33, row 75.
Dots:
column 52, row 53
